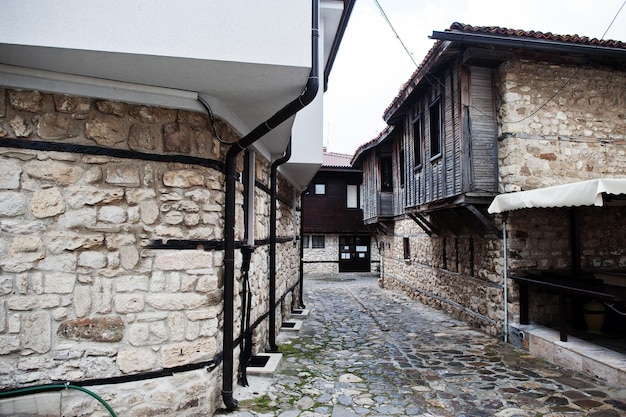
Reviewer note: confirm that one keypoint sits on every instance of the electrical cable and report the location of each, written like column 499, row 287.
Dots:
column 571, row 77
column 613, row 21
column 245, row 352
column 427, row 76
column 212, row 120
column 382, row 12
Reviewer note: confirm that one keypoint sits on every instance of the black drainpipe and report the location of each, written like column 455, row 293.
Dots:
column 301, row 253
column 273, row 204
column 307, row 96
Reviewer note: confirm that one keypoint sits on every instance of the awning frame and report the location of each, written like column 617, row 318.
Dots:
column 576, row 194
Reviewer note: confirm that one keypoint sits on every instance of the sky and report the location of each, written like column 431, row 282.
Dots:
column 372, row 65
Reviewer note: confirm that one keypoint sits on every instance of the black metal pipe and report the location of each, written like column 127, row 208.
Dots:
column 273, row 204
column 307, row 96
column 301, row 269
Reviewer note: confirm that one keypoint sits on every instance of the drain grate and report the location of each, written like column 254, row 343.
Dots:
column 258, row 361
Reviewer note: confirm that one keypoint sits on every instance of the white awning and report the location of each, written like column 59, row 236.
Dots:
column 583, row 193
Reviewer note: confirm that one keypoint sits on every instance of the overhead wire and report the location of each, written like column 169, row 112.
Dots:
column 571, row 77
column 428, row 76
column 382, row 12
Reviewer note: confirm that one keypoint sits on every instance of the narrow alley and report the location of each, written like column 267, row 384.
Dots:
column 366, row 351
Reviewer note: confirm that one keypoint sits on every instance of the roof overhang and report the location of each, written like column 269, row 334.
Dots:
column 583, row 193
column 547, row 45
column 366, row 148
column 233, row 54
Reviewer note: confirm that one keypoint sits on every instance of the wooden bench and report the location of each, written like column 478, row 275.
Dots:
column 565, row 286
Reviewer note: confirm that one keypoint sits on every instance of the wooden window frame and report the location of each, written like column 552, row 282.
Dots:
column 417, row 125
column 315, row 188
column 401, row 163
column 406, row 248
column 358, row 196
column 384, row 186
column 436, row 124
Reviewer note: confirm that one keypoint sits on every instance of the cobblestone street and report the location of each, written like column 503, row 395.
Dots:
column 366, row 351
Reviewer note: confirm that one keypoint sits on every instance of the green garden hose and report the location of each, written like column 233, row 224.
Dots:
column 55, row 387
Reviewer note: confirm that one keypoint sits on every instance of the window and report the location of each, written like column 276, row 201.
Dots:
column 418, row 135
column 305, row 241
column 361, row 192
column 401, row 167
column 320, row 189
column 407, row 248
column 352, row 196
column 386, row 174
column 317, row 242
column 435, row 129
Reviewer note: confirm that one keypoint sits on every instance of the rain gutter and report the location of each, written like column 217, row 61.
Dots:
column 231, row 176
column 527, row 43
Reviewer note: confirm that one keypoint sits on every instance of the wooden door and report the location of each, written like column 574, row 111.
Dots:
column 354, row 254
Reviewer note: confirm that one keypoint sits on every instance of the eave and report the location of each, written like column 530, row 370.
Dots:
column 234, row 55
column 461, row 215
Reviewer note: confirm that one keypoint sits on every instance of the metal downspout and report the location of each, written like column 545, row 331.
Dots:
column 230, row 174
column 273, row 206
column 301, row 271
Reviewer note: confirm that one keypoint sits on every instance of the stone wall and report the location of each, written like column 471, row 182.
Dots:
column 539, row 239
column 326, row 260
column 93, row 282
column 547, row 140
column 323, row 260
column 449, row 286
column 544, row 139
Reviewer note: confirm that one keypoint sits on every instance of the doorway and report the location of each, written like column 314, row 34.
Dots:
column 354, row 254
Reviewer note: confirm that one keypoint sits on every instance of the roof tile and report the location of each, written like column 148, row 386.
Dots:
column 416, row 77
column 339, row 160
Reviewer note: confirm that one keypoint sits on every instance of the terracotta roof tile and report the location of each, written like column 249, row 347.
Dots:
column 384, row 134
column 496, row 30
column 417, row 76
column 338, row 160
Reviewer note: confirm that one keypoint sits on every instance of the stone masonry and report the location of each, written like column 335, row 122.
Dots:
column 323, row 260
column 579, row 134
column 433, row 276
column 84, row 292
column 556, row 124
column 326, row 260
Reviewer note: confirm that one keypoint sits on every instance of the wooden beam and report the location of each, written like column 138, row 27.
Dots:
column 425, row 224
column 485, row 221
column 421, row 224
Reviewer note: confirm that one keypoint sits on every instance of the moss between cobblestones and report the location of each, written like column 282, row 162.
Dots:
column 288, row 349
column 260, row 404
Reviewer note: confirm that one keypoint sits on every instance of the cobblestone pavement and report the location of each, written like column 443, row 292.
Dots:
column 366, row 351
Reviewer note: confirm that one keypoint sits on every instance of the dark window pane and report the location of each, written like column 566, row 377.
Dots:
column 417, row 140
column 317, row 242
column 386, row 174
column 435, row 129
